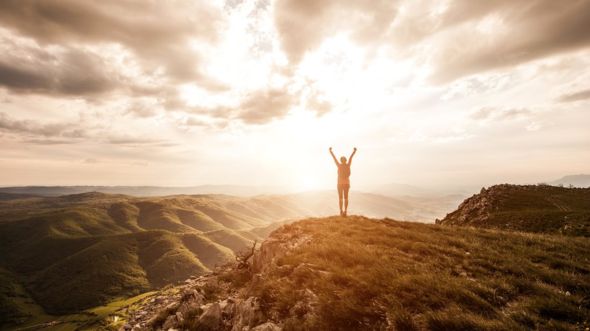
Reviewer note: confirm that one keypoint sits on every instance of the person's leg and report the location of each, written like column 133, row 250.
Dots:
column 340, row 193
column 346, row 188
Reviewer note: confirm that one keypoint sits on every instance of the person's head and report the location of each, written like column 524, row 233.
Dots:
column 342, row 159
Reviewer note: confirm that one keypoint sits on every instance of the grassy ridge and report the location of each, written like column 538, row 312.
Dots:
column 531, row 208
column 358, row 273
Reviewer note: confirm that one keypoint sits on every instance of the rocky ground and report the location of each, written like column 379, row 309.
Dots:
column 215, row 301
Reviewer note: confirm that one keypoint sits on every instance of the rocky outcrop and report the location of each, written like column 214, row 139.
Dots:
column 185, row 307
column 209, row 303
column 276, row 246
column 473, row 210
column 532, row 208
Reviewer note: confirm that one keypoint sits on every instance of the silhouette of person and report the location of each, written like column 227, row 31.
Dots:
column 343, row 179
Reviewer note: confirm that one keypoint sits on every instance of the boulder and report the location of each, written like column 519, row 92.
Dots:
column 211, row 318
column 246, row 313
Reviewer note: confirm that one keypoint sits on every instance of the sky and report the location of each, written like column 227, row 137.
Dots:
column 182, row 93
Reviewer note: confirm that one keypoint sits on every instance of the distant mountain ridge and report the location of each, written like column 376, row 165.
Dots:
column 531, row 208
column 573, row 180
column 237, row 190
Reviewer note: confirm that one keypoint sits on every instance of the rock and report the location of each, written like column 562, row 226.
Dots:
column 211, row 318
column 268, row 326
column 277, row 246
column 246, row 313
column 170, row 323
column 227, row 308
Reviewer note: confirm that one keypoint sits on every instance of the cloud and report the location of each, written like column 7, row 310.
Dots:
column 132, row 140
column 143, row 108
column 303, row 24
column 36, row 128
column 56, row 133
column 457, row 37
column 48, row 141
column 158, row 32
column 499, row 114
column 508, row 33
column 576, row 96
column 257, row 107
column 91, row 160
column 318, row 103
column 263, row 106
column 70, row 73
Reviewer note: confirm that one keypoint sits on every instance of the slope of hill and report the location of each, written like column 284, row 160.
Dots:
column 357, row 273
column 533, row 208
column 74, row 252
column 79, row 251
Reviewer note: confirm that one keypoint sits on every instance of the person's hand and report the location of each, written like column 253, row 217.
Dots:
column 330, row 149
column 354, row 149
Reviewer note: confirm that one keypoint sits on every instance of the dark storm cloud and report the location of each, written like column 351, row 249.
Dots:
column 158, row 32
column 74, row 72
column 576, row 96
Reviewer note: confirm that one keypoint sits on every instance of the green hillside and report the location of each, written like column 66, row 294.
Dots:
column 71, row 253
column 531, row 208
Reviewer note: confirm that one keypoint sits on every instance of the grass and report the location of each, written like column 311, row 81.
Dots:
column 531, row 208
column 358, row 273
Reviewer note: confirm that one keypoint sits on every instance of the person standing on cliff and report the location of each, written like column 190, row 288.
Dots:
column 343, row 179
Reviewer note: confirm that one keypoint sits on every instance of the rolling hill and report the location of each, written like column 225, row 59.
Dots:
column 73, row 252
column 531, row 208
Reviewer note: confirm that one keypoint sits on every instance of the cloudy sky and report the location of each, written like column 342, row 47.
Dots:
column 139, row 92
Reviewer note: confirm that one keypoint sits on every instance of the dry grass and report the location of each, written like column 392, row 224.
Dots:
column 358, row 273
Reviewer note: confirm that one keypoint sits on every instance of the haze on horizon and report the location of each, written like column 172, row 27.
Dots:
column 182, row 93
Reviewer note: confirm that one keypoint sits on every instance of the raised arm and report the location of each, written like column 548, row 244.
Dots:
column 333, row 156
column 351, row 155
